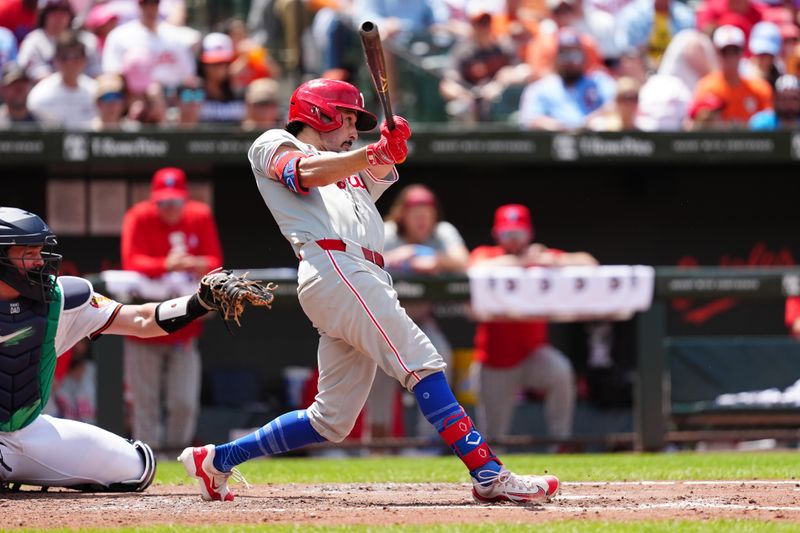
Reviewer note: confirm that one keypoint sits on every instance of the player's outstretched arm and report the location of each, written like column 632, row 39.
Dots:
column 324, row 169
column 219, row 290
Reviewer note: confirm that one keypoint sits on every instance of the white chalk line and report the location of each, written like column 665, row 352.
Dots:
column 670, row 483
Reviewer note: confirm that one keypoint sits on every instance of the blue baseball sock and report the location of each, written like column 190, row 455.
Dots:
column 440, row 407
column 287, row 432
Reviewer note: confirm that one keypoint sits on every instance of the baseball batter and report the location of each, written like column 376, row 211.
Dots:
column 41, row 317
column 322, row 195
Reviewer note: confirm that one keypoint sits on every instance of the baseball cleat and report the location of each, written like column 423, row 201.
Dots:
column 522, row 490
column 199, row 463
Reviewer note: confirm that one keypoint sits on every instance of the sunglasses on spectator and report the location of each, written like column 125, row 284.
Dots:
column 192, row 95
column 145, row 2
column 628, row 97
column 513, row 235
column 111, row 97
column 172, row 202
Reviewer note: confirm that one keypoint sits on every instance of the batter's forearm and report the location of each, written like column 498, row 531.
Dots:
column 324, row 169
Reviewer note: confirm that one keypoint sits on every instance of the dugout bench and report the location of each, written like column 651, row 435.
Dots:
column 680, row 378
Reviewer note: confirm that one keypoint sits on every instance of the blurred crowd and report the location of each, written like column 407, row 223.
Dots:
column 565, row 65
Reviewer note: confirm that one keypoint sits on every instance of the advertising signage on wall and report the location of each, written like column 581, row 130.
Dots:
column 428, row 146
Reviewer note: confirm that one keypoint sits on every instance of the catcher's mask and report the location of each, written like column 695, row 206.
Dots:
column 317, row 103
column 23, row 228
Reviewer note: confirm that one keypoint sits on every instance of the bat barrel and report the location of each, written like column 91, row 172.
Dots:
column 368, row 27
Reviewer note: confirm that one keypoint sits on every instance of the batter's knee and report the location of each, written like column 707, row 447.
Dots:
column 333, row 427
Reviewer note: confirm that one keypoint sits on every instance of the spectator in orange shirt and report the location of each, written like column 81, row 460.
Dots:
column 167, row 233
column 742, row 96
column 514, row 354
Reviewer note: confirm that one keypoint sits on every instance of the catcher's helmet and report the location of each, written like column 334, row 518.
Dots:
column 23, row 228
column 316, row 103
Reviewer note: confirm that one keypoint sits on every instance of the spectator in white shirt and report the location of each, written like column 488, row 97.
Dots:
column 170, row 46
column 38, row 49
column 65, row 98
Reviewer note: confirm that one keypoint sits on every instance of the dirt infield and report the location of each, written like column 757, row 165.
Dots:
column 387, row 504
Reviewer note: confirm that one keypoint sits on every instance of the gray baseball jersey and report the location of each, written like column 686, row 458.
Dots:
column 349, row 299
column 342, row 210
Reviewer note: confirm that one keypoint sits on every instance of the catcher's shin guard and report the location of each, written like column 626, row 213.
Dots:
column 131, row 485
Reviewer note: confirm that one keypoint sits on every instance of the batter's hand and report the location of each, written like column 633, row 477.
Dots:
column 386, row 152
column 401, row 130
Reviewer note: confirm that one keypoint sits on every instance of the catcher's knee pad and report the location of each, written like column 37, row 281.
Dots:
column 131, row 485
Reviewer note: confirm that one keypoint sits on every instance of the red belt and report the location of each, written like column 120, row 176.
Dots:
column 336, row 244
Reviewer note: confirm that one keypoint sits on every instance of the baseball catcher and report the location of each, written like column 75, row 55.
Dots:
column 42, row 315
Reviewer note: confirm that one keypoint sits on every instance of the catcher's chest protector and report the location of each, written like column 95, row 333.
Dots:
column 27, row 359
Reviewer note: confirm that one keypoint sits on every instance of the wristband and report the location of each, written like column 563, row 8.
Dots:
column 174, row 314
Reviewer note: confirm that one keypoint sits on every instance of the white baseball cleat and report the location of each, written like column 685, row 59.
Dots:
column 199, row 463
column 522, row 490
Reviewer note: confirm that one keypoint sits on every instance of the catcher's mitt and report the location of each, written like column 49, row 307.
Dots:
column 223, row 291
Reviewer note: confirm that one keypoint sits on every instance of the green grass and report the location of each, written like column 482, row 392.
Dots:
column 588, row 467
column 566, row 526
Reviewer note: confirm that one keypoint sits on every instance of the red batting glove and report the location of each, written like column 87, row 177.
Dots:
column 387, row 152
column 401, row 129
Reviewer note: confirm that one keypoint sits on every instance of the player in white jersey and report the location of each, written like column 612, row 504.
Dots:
column 322, row 195
column 41, row 317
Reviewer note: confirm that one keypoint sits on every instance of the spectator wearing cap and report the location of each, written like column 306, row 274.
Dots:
column 110, row 98
column 742, row 96
column 66, row 98
column 481, row 68
column 262, row 107
column 420, row 243
column 765, row 53
column 100, row 20
column 14, row 95
column 516, row 354
column 706, row 113
column 744, row 14
column 222, row 103
column 37, row 51
column 167, row 234
column 169, row 47
column 563, row 100
column 650, row 25
column 785, row 112
column 19, row 16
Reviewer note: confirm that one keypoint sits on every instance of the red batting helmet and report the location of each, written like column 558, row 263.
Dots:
column 316, row 103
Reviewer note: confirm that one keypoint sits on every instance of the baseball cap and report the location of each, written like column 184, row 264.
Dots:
column 99, row 15
column 217, row 48
column 418, row 195
column 169, row 184
column 13, row 72
column 262, row 91
column 569, row 38
column 709, row 102
column 765, row 38
column 787, row 82
column 728, row 36
column 512, row 217
column 108, row 83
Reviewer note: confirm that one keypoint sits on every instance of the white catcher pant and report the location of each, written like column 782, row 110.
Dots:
column 362, row 326
column 546, row 369
column 61, row 453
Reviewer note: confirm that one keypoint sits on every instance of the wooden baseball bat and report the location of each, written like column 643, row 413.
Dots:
column 373, row 51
